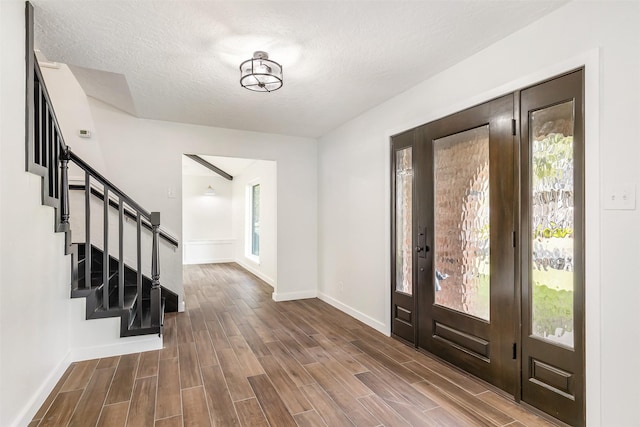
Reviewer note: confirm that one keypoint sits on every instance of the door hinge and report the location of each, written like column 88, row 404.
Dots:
column 513, row 127
column 514, row 351
column 514, row 239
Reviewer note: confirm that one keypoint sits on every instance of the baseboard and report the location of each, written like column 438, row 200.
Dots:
column 126, row 345
column 256, row 272
column 290, row 296
column 207, row 261
column 34, row 404
column 367, row 320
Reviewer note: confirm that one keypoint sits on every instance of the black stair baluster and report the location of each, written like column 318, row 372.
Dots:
column 45, row 135
column 139, row 265
column 155, row 271
column 50, row 154
column 87, row 230
column 57, row 175
column 43, row 128
column 55, row 161
column 121, row 253
column 43, row 132
column 37, row 134
column 105, row 254
column 64, row 189
column 52, row 162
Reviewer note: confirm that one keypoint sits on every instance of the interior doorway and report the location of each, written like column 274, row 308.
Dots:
column 229, row 213
column 487, row 232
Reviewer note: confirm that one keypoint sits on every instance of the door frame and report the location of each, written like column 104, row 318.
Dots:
column 590, row 60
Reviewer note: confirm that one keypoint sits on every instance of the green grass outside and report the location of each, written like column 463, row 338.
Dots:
column 552, row 304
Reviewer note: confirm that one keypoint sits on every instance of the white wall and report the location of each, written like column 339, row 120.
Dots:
column 206, row 220
column 41, row 329
column 354, row 176
column 206, row 217
column 34, row 280
column 264, row 173
column 145, row 158
column 70, row 103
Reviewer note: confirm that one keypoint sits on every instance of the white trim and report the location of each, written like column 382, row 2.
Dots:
column 207, row 261
column 367, row 320
column 248, row 225
column 291, row 296
column 31, row 408
column 254, row 259
column 591, row 60
column 592, row 274
column 125, row 345
column 210, row 251
column 255, row 272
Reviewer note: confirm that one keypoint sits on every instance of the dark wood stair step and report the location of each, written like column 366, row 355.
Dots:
column 132, row 321
column 130, row 299
column 142, row 325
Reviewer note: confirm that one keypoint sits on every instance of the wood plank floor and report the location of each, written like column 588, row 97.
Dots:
column 237, row 358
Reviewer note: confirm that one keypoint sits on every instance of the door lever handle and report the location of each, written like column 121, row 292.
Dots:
column 422, row 248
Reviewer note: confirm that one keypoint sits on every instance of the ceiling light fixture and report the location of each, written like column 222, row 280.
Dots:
column 210, row 191
column 261, row 74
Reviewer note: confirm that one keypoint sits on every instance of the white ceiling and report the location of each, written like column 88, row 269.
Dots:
column 178, row 60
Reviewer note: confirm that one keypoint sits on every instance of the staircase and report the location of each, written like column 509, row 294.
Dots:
column 135, row 313
column 99, row 273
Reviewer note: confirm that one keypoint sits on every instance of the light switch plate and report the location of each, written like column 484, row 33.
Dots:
column 620, row 197
column 171, row 193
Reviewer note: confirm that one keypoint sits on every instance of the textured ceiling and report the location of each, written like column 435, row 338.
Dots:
column 178, row 60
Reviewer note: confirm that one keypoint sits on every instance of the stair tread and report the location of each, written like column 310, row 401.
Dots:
column 96, row 281
column 129, row 300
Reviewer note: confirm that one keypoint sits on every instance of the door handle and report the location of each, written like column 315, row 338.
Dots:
column 422, row 247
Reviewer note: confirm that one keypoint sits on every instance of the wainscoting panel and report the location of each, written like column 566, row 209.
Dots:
column 208, row 251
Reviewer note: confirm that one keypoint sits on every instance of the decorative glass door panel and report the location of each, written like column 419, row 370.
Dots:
column 552, row 223
column 404, row 227
column 403, row 269
column 462, row 242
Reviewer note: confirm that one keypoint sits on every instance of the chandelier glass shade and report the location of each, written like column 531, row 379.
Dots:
column 260, row 74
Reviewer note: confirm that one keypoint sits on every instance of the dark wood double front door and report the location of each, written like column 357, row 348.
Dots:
column 487, row 232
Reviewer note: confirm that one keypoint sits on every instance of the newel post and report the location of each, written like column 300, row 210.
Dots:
column 156, row 305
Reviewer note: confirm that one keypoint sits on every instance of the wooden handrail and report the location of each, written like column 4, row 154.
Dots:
column 108, row 184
